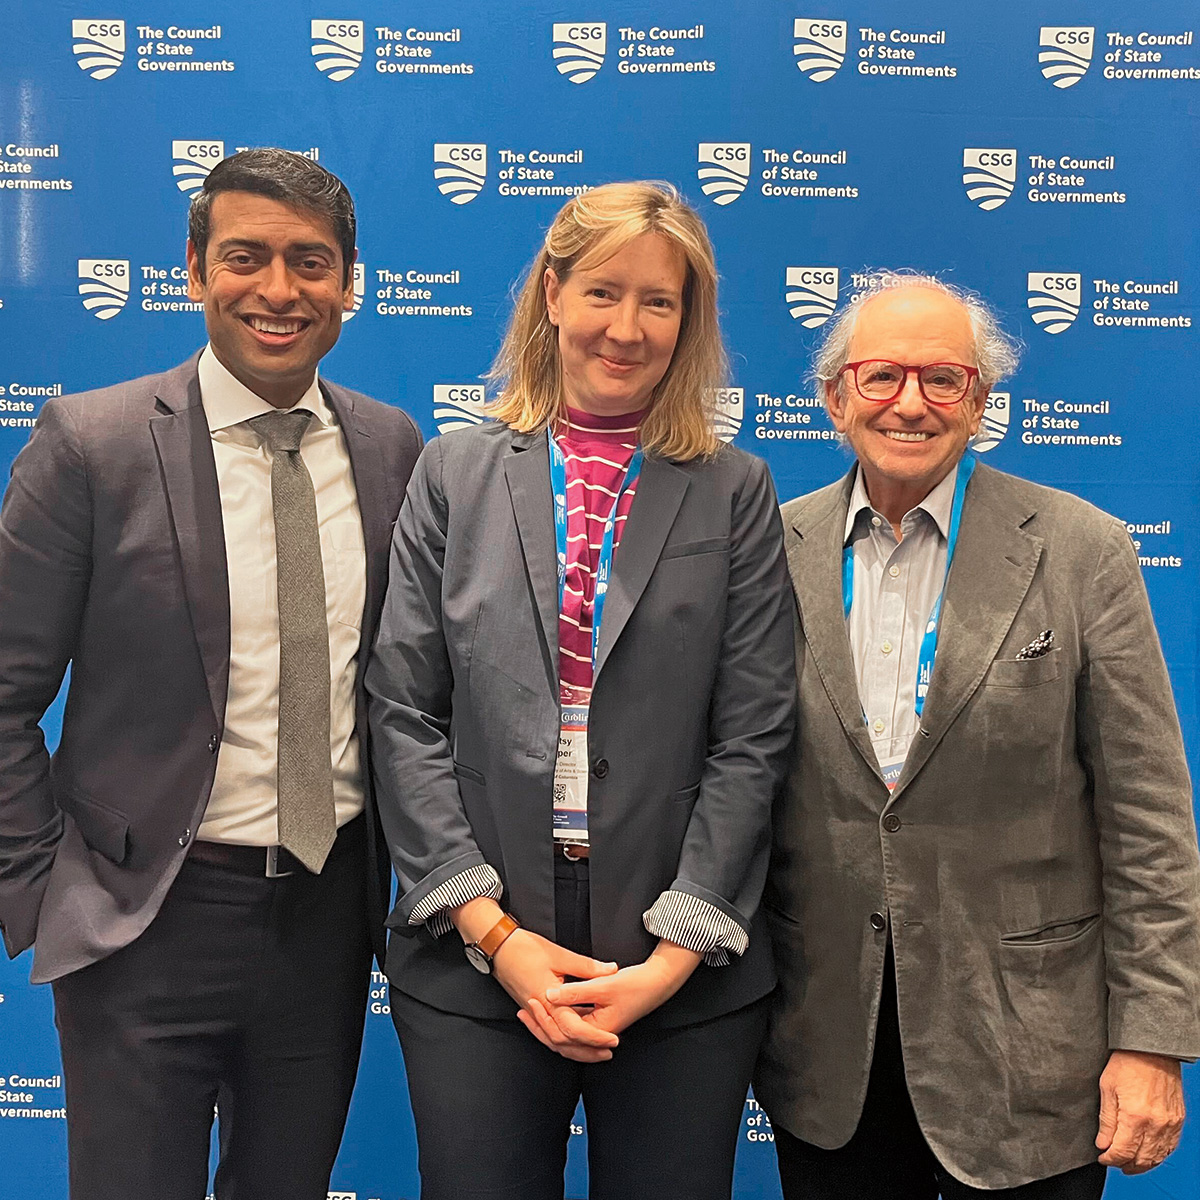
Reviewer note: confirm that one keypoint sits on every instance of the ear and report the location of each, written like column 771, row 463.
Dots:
column 195, row 282
column 835, row 405
column 553, row 290
column 348, row 290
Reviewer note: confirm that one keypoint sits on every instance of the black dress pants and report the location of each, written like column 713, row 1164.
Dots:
column 888, row 1157
column 243, row 990
column 493, row 1106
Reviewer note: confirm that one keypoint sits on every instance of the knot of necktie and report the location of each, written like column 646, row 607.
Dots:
column 282, row 430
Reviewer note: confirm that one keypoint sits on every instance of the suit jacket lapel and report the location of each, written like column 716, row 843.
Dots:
column 189, row 471
column 815, row 565
column 991, row 573
column 659, row 494
column 370, row 485
column 527, row 471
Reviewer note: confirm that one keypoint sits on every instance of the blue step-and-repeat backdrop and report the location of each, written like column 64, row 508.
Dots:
column 1043, row 153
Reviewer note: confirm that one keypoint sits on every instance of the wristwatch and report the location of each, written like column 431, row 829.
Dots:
column 480, row 953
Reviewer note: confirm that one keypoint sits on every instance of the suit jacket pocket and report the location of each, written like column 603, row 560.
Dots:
column 686, row 549
column 469, row 774
column 104, row 829
column 1024, row 672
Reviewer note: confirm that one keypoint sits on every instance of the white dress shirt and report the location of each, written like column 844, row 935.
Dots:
column 243, row 806
column 895, row 586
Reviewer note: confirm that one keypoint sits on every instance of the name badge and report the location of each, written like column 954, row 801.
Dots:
column 891, row 772
column 571, row 775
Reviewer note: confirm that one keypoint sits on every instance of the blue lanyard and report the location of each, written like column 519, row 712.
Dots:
column 930, row 640
column 558, row 484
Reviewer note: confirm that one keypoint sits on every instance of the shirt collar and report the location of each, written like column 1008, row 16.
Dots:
column 937, row 504
column 227, row 401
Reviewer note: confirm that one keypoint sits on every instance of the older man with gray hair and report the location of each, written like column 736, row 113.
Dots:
column 985, row 889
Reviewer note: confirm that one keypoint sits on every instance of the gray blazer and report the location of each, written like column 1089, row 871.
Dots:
column 112, row 560
column 1037, row 858
column 691, row 719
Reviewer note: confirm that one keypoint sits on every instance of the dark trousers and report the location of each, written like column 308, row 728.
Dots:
column 888, row 1157
column 244, row 991
column 493, row 1106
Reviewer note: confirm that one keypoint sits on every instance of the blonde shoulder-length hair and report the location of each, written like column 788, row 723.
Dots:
column 589, row 230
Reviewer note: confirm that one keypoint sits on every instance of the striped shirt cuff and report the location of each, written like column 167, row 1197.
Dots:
column 696, row 925
column 433, row 910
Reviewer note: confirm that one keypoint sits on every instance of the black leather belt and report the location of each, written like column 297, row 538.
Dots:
column 274, row 862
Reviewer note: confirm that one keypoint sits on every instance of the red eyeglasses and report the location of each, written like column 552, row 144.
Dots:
column 944, row 383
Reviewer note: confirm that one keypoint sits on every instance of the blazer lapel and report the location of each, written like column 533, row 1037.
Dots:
column 659, row 494
column 815, row 565
column 371, row 486
column 189, row 471
column 991, row 573
column 527, row 471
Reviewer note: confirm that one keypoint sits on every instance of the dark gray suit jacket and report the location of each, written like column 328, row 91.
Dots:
column 692, row 707
column 1037, row 858
column 112, row 560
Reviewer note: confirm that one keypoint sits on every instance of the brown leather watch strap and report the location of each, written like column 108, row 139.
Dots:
column 498, row 935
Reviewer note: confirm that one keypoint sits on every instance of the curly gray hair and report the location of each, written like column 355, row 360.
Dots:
column 997, row 353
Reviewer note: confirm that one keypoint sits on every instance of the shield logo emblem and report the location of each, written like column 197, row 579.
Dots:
column 104, row 286
column 729, row 409
column 193, row 161
column 579, row 48
column 812, row 294
column 1065, row 53
column 996, row 416
column 1054, row 299
column 820, row 46
column 460, row 170
column 724, row 170
column 458, row 405
column 99, row 46
column 359, row 280
column 989, row 176
column 337, row 47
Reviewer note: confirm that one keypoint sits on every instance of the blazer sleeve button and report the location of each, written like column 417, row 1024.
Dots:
column 601, row 768
column 891, row 823
column 213, row 743
column 878, row 922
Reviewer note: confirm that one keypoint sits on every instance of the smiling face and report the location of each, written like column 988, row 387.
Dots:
column 618, row 324
column 273, row 289
column 907, row 446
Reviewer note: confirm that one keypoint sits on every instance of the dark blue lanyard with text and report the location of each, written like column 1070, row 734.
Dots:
column 558, row 484
column 930, row 640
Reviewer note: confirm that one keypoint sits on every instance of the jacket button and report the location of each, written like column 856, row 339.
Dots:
column 601, row 768
column 891, row 822
column 213, row 743
column 187, row 834
column 878, row 922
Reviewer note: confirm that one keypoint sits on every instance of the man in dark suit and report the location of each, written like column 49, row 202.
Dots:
column 984, row 890
column 198, row 866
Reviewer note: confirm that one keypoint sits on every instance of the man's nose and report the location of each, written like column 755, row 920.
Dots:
column 909, row 402
column 277, row 284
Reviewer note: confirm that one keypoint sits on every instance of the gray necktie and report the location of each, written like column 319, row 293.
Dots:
column 307, row 825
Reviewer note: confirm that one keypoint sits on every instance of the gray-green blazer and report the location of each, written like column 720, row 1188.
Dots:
column 1037, row 860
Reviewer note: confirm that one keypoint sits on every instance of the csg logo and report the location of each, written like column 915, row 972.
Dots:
column 460, row 169
column 104, row 285
column 342, row 1196
column 989, row 176
column 820, row 47
column 358, row 278
column 812, row 294
column 579, row 48
column 996, row 414
column 99, row 46
column 1054, row 299
column 724, row 170
column 193, row 161
column 337, row 47
column 729, row 408
column 458, row 406
column 1066, row 53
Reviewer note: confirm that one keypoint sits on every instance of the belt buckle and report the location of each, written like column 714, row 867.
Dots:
column 273, row 871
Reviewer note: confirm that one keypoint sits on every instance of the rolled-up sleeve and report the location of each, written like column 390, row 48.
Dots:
column 433, row 911
column 698, row 926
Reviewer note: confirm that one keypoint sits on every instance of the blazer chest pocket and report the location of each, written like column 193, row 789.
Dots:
column 103, row 829
column 1024, row 672
column 715, row 545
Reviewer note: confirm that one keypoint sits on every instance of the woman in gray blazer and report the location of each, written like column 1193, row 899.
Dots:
column 582, row 700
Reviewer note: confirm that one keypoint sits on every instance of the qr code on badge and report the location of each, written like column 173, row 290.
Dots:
column 560, row 795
